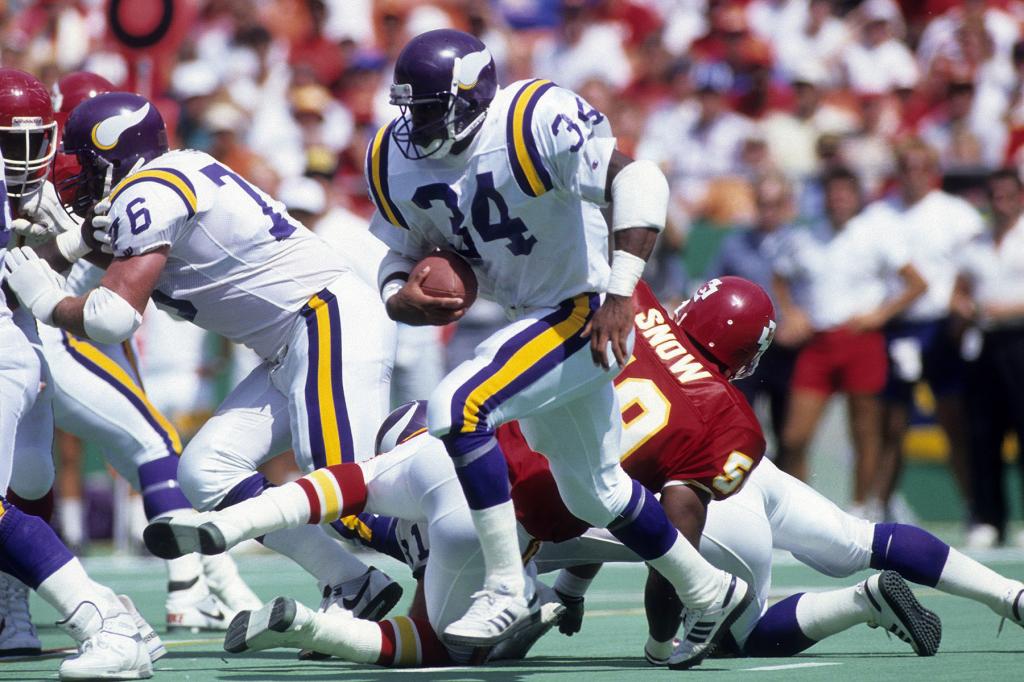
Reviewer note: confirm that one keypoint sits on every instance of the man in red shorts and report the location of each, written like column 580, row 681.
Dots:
column 832, row 282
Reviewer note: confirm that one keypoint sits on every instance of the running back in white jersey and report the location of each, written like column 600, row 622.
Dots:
column 238, row 265
column 521, row 204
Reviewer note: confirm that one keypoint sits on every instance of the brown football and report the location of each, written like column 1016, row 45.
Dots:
column 449, row 276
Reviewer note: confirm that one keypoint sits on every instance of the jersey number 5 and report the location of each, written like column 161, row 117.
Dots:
column 638, row 427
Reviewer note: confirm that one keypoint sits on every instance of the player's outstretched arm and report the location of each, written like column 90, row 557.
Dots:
column 638, row 192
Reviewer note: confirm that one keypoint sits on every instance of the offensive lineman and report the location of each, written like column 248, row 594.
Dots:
column 201, row 241
column 94, row 388
column 513, row 180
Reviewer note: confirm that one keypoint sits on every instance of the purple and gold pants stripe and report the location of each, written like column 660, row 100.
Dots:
column 520, row 361
column 330, row 435
column 94, row 360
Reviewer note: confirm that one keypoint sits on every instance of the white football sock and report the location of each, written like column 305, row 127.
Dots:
column 321, row 555
column 70, row 585
column 284, row 506
column 570, row 584
column 696, row 581
column 822, row 614
column 965, row 577
column 72, row 520
column 499, row 540
column 347, row 638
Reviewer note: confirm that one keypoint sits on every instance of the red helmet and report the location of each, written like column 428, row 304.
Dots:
column 28, row 131
column 732, row 320
column 74, row 88
column 67, row 93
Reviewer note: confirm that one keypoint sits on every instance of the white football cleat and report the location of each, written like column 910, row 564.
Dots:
column 191, row 607
column 154, row 645
column 704, row 628
column 494, row 616
column 17, row 634
column 278, row 624
column 110, row 648
column 371, row 596
column 898, row 611
column 223, row 579
column 550, row 614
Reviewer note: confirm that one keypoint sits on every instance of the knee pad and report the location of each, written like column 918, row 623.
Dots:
column 439, row 412
column 32, row 474
column 193, row 481
column 601, row 506
column 854, row 554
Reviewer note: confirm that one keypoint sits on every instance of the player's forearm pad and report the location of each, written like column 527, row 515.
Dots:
column 639, row 197
column 394, row 271
column 627, row 270
column 108, row 318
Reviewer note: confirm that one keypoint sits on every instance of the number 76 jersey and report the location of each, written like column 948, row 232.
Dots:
column 238, row 264
column 682, row 421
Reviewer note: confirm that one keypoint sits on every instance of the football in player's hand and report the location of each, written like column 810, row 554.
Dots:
column 450, row 276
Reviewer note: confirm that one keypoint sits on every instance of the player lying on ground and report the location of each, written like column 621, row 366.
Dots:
column 92, row 389
column 413, row 479
column 709, row 430
column 196, row 238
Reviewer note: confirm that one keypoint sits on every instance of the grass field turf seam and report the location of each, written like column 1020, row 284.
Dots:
column 608, row 648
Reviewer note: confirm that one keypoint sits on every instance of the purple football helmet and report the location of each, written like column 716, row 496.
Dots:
column 444, row 82
column 112, row 134
column 404, row 422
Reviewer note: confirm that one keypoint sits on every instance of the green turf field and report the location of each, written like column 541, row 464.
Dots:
column 608, row 648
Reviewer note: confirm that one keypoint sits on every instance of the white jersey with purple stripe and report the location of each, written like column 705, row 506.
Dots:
column 238, row 264
column 522, row 204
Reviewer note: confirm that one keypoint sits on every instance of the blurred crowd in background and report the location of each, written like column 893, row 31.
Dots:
column 858, row 158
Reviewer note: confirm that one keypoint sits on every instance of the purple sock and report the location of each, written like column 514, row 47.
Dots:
column 29, row 549
column 243, row 490
column 158, row 484
column 481, row 468
column 915, row 554
column 643, row 527
column 778, row 633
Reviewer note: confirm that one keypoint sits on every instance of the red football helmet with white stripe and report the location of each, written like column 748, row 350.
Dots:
column 732, row 320
column 28, row 131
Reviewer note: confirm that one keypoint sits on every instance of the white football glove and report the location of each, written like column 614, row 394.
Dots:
column 34, row 282
column 33, row 233
column 46, row 210
column 101, row 223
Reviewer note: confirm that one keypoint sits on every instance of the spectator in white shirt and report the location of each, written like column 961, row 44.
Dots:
column 830, row 283
column 962, row 134
column 922, row 345
column 878, row 62
column 990, row 294
column 700, row 140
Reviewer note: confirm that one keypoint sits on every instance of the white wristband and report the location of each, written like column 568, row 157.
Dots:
column 71, row 245
column 627, row 270
column 391, row 288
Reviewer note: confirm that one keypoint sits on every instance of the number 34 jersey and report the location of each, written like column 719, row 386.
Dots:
column 521, row 204
column 238, row 264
